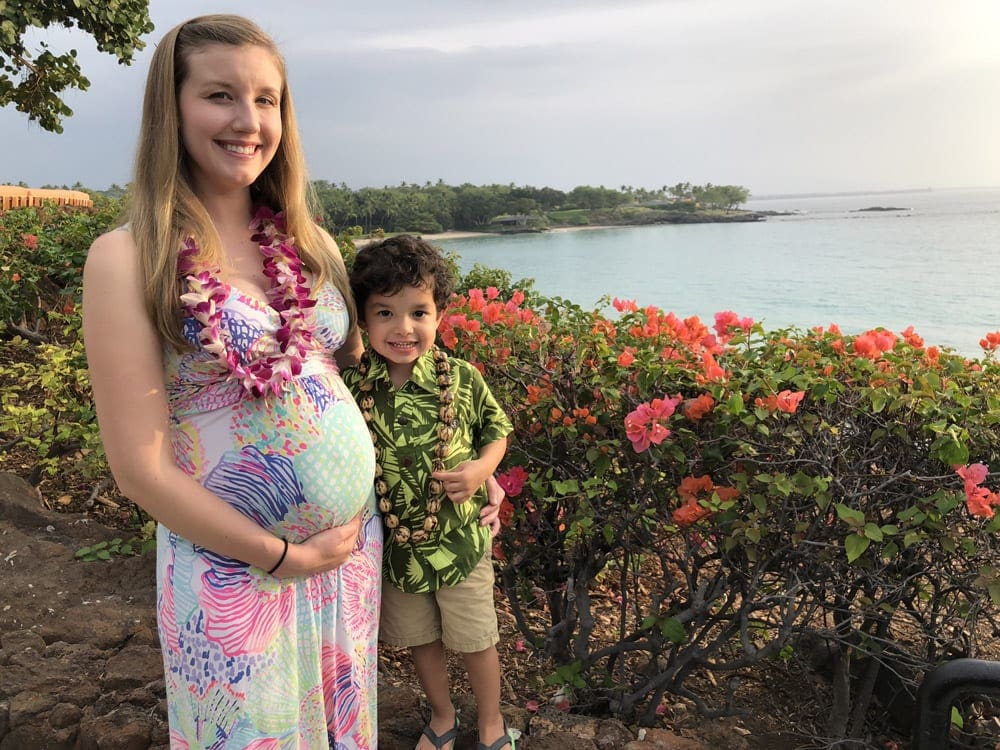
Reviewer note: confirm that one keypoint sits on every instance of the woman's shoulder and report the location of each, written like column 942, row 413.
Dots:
column 113, row 252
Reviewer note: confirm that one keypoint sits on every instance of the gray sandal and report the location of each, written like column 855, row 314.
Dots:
column 505, row 739
column 440, row 740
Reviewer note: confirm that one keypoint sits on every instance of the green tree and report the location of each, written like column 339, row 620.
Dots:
column 34, row 82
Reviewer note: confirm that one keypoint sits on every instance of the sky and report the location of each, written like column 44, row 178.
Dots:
column 779, row 96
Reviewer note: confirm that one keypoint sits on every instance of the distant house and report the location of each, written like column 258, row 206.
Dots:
column 12, row 196
column 516, row 220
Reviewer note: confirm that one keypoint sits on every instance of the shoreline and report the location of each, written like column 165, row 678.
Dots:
column 465, row 234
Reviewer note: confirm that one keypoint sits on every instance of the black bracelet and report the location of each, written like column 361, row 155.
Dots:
column 280, row 559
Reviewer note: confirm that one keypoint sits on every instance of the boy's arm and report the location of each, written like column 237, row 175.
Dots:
column 462, row 482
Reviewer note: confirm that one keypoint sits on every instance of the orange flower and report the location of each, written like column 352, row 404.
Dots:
column 991, row 341
column 696, row 408
column 627, row 357
column 910, row 337
column 689, row 513
column 788, row 401
column 15, row 277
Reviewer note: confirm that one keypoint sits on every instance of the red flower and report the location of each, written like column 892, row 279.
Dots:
column 512, row 481
column 30, row 241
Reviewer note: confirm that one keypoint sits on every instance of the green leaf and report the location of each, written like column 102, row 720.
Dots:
column 673, row 630
column 855, row 546
column 956, row 718
column 735, row 404
column 879, row 400
column 873, row 532
column 850, row 516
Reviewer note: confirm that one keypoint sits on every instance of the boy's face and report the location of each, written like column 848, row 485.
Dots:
column 401, row 327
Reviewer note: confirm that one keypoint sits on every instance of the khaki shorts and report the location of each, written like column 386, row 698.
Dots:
column 462, row 616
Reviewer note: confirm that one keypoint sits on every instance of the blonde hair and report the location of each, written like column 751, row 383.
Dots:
column 163, row 209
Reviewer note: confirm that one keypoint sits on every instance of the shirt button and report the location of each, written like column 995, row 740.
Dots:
column 402, row 420
column 407, row 462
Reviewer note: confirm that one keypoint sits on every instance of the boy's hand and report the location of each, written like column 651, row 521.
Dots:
column 489, row 514
column 461, row 482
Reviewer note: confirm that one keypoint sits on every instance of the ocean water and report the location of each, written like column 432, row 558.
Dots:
column 934, row 266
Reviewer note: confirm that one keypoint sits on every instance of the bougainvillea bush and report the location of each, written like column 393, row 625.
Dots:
column 724, row 495
column 46, row 415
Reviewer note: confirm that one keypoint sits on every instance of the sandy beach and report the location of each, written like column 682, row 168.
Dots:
column 459, row 235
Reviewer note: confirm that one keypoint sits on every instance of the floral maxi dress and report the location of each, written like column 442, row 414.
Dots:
column 251, row 660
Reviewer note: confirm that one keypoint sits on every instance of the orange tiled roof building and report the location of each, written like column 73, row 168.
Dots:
column 12, row 196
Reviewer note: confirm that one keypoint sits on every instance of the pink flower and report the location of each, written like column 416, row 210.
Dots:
column 492, row 292
column 643, row 426
column 973, row 473
column 728, row 319
column 30, row 241
column 531, row 706
column 622, row 305
column 978, row 500
column 512, row 481
column 493, row 313
column 476, row 300
column 788, row 401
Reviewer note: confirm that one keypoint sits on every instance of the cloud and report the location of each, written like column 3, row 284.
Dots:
column 777, row 95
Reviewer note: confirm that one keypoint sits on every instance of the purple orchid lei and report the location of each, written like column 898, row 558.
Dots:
column 279, row 360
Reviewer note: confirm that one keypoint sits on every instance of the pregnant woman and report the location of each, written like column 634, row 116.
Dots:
column 216, row 321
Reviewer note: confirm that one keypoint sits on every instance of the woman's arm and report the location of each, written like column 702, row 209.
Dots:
column 350, row 353
column 124, row 355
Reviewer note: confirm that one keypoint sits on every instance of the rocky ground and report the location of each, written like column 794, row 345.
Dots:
column 80, row 665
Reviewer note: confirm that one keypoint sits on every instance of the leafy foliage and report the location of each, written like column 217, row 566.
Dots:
column 721, row 495
column 34, row 83
column 439, row 207
column 45, row 401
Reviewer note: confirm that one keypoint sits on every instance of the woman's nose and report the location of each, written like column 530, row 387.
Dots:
column 247, row 119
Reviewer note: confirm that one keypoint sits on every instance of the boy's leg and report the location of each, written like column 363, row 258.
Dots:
column 414, row 618
column 483, row 668
column 469, row 626
column 432, row 671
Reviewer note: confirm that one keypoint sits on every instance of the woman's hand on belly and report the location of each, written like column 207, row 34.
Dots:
column 323, row 551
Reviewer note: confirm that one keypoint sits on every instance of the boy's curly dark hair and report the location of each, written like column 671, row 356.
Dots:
column 387, row 266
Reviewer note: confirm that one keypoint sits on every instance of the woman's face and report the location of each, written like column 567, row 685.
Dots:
column 230, row 115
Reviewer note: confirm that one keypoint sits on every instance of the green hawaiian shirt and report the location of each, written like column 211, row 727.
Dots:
column 406, row 422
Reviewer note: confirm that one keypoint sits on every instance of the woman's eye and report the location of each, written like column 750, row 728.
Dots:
column 267, row 101
column 219, row 95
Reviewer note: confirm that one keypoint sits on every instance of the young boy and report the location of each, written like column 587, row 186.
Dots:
column 438, row 435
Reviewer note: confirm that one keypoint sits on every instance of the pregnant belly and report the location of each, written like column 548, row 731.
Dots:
column 296, row 467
